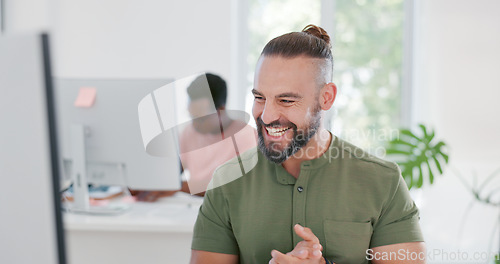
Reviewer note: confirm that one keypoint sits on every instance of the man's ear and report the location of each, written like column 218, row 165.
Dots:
column 327, row 96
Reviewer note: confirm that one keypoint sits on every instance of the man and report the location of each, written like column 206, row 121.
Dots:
column 208, row 140
column 311, row 197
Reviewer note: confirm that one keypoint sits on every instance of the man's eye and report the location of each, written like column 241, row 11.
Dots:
column 286, row 101
column 259, row 98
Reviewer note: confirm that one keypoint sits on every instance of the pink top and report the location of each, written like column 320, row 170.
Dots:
column 201, row 153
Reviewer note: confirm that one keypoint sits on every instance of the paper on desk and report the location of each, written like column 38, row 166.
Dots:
column 105, row 193
column 86, row 97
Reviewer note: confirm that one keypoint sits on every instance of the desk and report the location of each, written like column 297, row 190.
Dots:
column 159, row 232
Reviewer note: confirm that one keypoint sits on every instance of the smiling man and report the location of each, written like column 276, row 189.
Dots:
column 310, row 197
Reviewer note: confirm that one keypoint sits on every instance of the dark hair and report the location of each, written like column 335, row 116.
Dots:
column 313, row 42
column 217, row 85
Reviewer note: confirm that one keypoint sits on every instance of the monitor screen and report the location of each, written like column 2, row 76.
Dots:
column 107, row 112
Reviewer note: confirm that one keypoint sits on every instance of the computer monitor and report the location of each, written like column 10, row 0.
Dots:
column 101, row 140
column 31, row 226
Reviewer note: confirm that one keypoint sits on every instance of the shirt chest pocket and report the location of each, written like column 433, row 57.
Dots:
column 347, row 242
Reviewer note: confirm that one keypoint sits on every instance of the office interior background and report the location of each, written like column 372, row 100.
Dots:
column 398, row 63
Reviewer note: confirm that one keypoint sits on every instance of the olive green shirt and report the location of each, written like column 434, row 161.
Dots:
column 351, row 201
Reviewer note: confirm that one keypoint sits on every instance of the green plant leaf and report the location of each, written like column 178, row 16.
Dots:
column 409, row 183
column 408, row 133
column 398, row 141
column 431, row 175
column 420, row 177
column 438, row 165
column 397, row 151
column 438, row 146
column 416, row 149
column 431, row 136
column 424, row 129
column 445, row 157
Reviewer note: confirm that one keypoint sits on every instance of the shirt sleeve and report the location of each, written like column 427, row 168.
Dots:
column 213, row 231
column 399, row 220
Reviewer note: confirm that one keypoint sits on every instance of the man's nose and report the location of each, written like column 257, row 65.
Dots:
column 270, row 113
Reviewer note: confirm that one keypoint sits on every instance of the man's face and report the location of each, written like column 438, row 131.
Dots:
column 286, row 106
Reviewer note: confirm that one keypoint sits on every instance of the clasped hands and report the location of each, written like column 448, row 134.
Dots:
column 306, row 251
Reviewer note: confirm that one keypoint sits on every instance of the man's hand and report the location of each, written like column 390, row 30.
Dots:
column 306, row 251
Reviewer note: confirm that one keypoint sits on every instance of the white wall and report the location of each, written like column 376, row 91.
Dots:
column 457, row 90
column 27, row 15
column 141, row 39
column 132, row 39
column 461, row 63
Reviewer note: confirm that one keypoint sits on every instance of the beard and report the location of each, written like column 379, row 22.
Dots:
column 300, row 137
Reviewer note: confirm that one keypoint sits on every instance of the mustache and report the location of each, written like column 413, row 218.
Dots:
column 276, row 123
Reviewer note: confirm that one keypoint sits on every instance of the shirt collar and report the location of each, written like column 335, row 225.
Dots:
column 285, row 178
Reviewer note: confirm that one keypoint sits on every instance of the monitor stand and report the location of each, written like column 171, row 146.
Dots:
column 81, row 202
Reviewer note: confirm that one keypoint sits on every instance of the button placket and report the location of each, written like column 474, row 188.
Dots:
column 299, row 202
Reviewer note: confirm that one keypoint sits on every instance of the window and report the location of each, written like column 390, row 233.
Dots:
column 368, row 66
column 268, row 19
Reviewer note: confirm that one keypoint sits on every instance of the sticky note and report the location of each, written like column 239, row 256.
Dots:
column 86, row 97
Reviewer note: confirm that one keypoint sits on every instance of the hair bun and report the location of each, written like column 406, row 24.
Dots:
column 317, row 32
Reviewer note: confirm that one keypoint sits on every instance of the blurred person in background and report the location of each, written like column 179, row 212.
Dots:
column 206, row 142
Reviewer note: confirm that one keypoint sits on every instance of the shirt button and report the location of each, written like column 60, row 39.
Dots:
column 300, row 189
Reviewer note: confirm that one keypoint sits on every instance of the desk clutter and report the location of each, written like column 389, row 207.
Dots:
column 97, row 192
